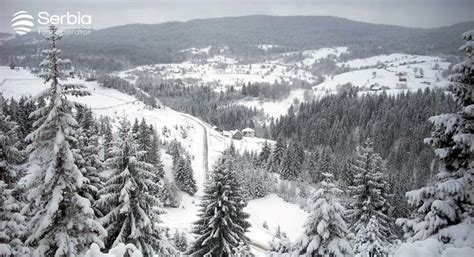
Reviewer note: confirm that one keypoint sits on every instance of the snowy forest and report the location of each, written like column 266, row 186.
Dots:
column 122, row 161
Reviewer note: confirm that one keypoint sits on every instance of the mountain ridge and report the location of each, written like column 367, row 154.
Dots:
column 126, row 46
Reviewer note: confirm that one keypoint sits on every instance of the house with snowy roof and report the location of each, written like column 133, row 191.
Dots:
column 248, row 132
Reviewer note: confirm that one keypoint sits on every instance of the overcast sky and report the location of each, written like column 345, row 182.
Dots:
column 107, row 13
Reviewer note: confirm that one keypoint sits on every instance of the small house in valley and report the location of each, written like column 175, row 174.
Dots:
column 236, row 134
column 248, row 132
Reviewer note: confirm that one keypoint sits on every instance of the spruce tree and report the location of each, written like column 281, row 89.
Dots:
column 369, row 196
column 13, row 227
column 169, row 194
column 62, row 221
column 325, row 229
column 369, row 241
column 243, row 250
column 180, row 241
column 277, row 156
column 149, row 152
column 107, row 140
column 325, row 164
column 144, row 141
column 222, row 222
column 311, row 166
column 264, row 156
column 279, row 244
column 184, row 177
column 174, row 149
column 135, row 128
column 449, row 200
column 131, row 210
column 25, row 107
column 292, row 163
column 154, row 155
column 90, row 164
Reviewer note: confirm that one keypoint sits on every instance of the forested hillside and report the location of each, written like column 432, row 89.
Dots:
column 396, row 124
column 122, row 47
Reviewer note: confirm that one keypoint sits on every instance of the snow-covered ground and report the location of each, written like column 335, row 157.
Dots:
column 419, row 71
column 289, row 217
column 276, row 108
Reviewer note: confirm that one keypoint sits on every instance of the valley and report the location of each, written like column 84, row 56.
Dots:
column 238, row 136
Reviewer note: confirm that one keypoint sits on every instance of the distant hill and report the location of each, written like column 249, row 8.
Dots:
column 126, row 46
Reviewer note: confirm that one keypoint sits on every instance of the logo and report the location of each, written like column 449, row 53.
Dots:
column 22, row 22
column 68, row 23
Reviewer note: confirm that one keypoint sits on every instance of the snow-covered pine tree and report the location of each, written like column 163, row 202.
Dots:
column 154, row 155
column 279, row 244
column 154, row 158
column 62, row 221
column 135, row 128
column 243, row 250
column 174, row 149
column 262, row 183
column 183, row 176
column 292, row 163
column 277, row 156
column 255, row 181
column 107, row 139
column 131, row 211
column 144, row 141
column 369, row 241
column 13, row 109
column 325, row 229
column 12, row 222
column 312, row 174
column 41, row 102
column 449, row 200
column 222, row 222
column 265, row 156
column 149, row 151
column 325, row 164
column 369, row 197
column 183, row 241
column 90, row 164
column 180, row 241
column 169, row 194
column 346, row 176
column 25, row 107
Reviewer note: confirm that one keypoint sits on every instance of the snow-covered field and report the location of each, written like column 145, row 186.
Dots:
column 276, row 108
column 275, row 212
column 388, row 74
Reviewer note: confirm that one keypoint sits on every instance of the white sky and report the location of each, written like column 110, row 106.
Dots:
column 107, row 13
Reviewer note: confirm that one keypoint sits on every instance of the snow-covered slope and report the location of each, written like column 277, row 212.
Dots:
column 224, row 70
column 419, row 71
column 372, row 75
